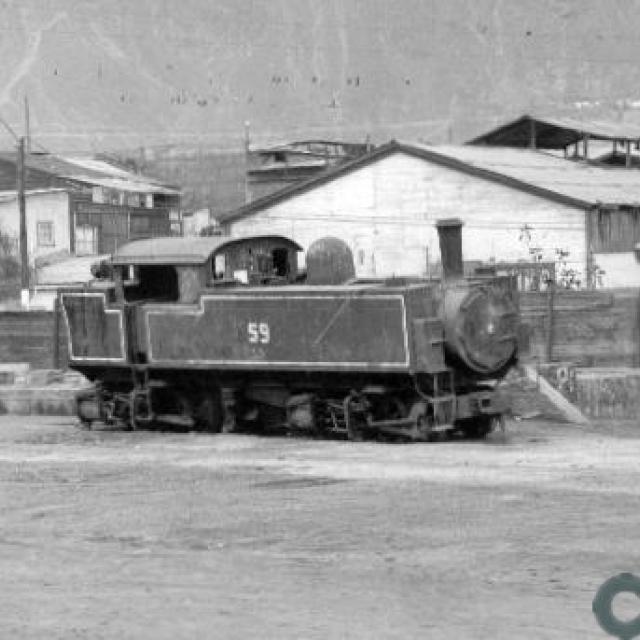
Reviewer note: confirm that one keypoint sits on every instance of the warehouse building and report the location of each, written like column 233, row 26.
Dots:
column 518, row 205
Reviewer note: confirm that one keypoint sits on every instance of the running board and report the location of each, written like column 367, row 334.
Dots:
column 175, row 420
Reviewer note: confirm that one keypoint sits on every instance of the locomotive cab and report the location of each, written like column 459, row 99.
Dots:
column 254, row 261
column 107, row 320
column 180, row 269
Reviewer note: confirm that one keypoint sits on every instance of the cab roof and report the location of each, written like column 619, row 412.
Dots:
column 184, row 251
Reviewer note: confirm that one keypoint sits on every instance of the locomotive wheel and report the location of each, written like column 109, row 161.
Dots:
column 87, row 408
column 497, row 424
column 139, row 406
column 354, row 417
column 354, row 433
column 424, row 428
column 481, row 426
column 207, row 412
column 481, row 429
column 354, row 428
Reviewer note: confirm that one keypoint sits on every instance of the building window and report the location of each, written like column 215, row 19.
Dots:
column 45, row 234
column 86, row 239
column 134, row 200
column 97, row 195
column 140, row 225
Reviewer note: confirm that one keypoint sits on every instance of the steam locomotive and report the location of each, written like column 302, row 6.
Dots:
column 228, row 333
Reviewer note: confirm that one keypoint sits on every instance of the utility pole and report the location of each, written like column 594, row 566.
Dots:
column 27, row 126
column 247, row 143
column 24, row 255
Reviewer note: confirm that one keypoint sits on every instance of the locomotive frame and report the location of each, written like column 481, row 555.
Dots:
column 236, row 337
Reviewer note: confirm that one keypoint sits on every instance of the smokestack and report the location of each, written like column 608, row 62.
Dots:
column 450, row 237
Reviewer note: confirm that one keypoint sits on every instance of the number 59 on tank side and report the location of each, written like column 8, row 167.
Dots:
column 220, row 332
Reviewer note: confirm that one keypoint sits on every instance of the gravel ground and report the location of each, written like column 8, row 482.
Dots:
column 106, row 534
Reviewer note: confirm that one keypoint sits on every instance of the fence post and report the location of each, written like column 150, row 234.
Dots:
column 551, row 289
column 636, row 362
column 56, row 332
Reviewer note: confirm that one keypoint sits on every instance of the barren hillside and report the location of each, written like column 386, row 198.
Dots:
column 108, row 74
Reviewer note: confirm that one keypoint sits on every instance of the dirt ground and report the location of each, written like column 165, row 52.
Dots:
column 107, row 534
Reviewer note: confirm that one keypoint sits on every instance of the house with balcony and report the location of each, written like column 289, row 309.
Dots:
column 83, row 206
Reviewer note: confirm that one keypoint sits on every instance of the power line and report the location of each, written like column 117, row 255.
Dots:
column 42, row 147
column 9, row 129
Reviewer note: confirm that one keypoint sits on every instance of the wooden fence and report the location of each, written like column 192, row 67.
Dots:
column 36, row 337
column 587, row 328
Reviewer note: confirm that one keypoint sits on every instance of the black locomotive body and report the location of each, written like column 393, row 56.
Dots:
column 226, row 332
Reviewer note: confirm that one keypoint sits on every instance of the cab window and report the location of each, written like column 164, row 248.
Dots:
column 280, row 260
column 152, row 282
column 219, row 266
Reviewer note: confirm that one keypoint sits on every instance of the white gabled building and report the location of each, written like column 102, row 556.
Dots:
column 515, row 203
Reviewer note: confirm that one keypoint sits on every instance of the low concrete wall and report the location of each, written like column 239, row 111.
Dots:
column 40, row 392
column 608, row 393
column 50, row 401
column 598, row 392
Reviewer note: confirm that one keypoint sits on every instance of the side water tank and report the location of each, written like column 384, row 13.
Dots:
column 329, row 261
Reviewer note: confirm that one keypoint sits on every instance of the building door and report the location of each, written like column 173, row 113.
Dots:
column 86, row 240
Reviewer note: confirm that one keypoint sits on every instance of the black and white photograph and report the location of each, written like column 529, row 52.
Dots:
column 319, row 319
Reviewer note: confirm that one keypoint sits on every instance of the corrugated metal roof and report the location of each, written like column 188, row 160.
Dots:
column 101, row 167
column 92, row 171
column 135, row 185
column 600, row 129
column 8, row 196
column 556, row 132
column 576, row 180
column 178, row 250
column 298, row 162
column 316, row 146
column 574, row 183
